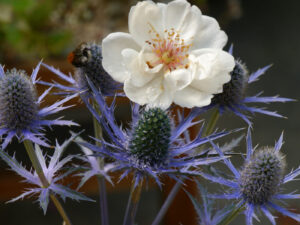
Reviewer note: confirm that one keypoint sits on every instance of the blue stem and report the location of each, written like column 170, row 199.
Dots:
column 163, row 210
column 132, row 204
column 101, row 179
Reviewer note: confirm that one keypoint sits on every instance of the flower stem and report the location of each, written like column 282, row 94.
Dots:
column 38, row 168
column 167, row 203
column 101, row 179
column 212, row 123
column 209, row 128
column 227, row 220
column 35, row 163
column 132, row 204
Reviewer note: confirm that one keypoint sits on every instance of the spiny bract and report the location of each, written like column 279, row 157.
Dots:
column 234, row 90
column 261, row 176
column 151, row 137
column 18, row 100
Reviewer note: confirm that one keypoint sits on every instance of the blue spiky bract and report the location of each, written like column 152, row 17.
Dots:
column 87, row 59
column 20, row 112
column 93, row 168
column 51, row 170
column 261, row 176
column 150, row 141
column 131, row 149
column 205, row 209
column 258, row 185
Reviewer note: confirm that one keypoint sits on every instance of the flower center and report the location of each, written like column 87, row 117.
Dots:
column 170, row 50
column 167, row 58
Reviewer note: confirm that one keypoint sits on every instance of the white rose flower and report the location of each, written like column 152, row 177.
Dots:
column 172, row 53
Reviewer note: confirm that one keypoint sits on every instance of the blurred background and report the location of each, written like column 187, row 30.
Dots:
column 263, row 32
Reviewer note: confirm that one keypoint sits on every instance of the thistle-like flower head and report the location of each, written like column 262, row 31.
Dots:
column 20, row 112
column 87, row 59
column 262, row 176
column 259, row 184
column 152, row 146
column 18, row 99
column 233, row 97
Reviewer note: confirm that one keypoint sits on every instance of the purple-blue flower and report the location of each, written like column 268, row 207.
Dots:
column 20, row 113
column 153, row 145
column 259, row 183
column 234, row 99
column 87, row 59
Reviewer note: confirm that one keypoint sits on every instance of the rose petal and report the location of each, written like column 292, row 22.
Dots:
column 143, row 18
column 144, row 94
column 190, row 97
column 112, row 47
column 139, row 72
column 156, row 93
column 209, row 35
column 213, row 69
column 183, row 18
column 179, row 78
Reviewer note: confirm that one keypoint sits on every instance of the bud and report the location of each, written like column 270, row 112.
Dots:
column 234, row 90
column 262, row 176
column 18, row 101
column 150, row 140
column 87, row 58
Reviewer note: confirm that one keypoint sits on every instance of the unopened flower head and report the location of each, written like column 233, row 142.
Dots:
column 151, row 147
column 261, row 176
column 150, row 141
column 234, row 90
column 18, row 101
column 20, row 112
column 259, row 184
column 172, row 53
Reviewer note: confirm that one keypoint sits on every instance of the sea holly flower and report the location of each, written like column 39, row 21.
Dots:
column 172, row 53
column 20, row 112
column 87, row 59
column 234, row 99
column 52, row 173
column 259, row 184
column 152, row 146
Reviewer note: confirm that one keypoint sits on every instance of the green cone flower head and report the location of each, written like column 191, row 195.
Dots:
column 151, row 137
